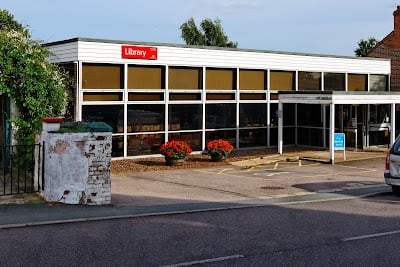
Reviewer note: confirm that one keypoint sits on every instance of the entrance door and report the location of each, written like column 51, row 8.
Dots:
column 379, row 127
column 353, row 120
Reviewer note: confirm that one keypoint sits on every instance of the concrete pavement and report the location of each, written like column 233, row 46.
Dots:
column 271, row 179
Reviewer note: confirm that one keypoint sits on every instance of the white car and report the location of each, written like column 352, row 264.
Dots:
column 392, row 167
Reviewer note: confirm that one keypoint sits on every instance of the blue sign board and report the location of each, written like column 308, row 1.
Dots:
column 338, row 141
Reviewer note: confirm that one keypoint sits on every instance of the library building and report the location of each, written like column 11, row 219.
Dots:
column 150, row 93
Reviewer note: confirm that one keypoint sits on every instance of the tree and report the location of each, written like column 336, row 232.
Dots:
column 210, row 33
column 37, row 87
column 364, row 46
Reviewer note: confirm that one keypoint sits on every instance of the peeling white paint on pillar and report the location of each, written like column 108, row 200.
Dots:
column 77, row 167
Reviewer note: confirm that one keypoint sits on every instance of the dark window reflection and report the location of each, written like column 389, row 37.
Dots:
column 252, row 115
column 230, row 136
column 334, row 81
column 144, row 144
column 110, row 114
column 184, row 117
column 253, row 137
column 145, row 118
column 309, row 115
column 309, row 81
column 117, row 146
column 193, row 139
column 220, row 116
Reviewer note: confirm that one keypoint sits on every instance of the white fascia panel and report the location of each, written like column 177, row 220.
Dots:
column 99, row 52
column 68, row 52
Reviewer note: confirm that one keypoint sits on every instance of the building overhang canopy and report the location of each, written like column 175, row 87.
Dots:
column 331, row 99
column 335, row 97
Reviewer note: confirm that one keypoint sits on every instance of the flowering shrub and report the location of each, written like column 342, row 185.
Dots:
column 175, row 149
column 219, row 147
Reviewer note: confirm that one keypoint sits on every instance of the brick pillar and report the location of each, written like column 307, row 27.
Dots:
column 77, row 167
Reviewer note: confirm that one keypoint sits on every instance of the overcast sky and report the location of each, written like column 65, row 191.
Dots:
column 330, row 27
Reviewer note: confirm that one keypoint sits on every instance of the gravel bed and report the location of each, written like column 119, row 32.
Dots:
column 192, row 161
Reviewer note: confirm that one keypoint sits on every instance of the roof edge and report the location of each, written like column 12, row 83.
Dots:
column 95, row 40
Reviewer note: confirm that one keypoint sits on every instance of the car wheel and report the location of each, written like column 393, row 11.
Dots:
column 396, row 189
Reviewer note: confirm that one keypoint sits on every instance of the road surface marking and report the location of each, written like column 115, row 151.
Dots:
column 276, row 165
column 191, row 263
column 304, row 193
column 370, row 236
column 269, row 174
column 224, row 170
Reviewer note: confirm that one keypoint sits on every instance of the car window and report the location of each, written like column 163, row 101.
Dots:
column 396, row 147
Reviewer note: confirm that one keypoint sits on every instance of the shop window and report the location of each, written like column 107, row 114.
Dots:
column 334, row 81
column 220, row 116
column 220, row 79
column 215, row 96
column 252, row 80
column 145, row 96
column 192, row 138
column 102, row 97
column 309, row 115
column 184, row 117
column 252, row 96
column 102, row 76
column 357, row 82
column 146, row 77
column 378, row 83
column 282, row 80
column 273, row 109
column 252, row 115
column 184, row 97
column 228, row 135
column 252, row 138
column 145, row 118
column 184, row 78
column 117, row 146
column 144, row 144
column 110, row 114
column 288, row 113
column 310, row 137
column 309, row 81
column 379, row 114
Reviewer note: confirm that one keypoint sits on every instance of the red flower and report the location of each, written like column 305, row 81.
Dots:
column 219, row 146
column 175, row 149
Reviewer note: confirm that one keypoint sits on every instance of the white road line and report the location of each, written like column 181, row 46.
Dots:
column 304, row 193
column 190, row 263
column 370, row 236
column 224, row 170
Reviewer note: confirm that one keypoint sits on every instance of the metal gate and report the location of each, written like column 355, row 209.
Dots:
column 20, row 169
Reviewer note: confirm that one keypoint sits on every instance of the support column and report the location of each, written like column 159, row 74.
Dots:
column 323, row 126
column 332, row 134
column 392, row 123
column 280, row 128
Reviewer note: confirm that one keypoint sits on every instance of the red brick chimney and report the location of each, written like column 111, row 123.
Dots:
column 396, row 15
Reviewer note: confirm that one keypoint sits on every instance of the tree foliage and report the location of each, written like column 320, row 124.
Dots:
column 8, row 23
column 37, row 87
column 210, row 33
column 364, row 46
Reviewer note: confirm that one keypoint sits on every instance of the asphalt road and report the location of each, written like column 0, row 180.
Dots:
column 355, row 232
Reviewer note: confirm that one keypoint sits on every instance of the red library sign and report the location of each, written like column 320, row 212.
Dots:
column 139, row 52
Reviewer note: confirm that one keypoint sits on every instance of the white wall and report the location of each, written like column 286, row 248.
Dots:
column 87, row 50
